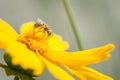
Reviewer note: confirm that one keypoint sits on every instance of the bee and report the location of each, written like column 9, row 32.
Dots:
column 41, row 24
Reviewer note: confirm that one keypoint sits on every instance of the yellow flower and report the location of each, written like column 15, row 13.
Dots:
column 36, row 47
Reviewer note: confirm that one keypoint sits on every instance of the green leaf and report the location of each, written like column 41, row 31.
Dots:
column 25, row 77
column 9, row 71
column 18, row 74
column 16, row 78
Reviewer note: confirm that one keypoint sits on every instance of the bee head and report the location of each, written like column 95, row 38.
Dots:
column 39, row 23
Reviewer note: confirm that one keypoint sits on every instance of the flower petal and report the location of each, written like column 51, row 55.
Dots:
column 21, row 55
column 26, row 58
column 4, row 40
column 85, row 73
column 26, row 27
column 81, row 58
column 57, row 44
column 56, row 71
column 8, row 30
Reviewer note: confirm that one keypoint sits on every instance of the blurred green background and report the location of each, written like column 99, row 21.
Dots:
column 98, row 23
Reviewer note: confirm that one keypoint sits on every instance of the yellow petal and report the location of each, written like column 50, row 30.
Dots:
column 85, row 73
column 81, row 58
column 8, row 30
column 4, row 40
column 57, row 44
column 26, row 58
column 21, row 55
column 57, row 72
column 27, row 27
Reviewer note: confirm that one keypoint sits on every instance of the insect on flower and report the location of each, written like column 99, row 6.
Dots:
column 40, row 24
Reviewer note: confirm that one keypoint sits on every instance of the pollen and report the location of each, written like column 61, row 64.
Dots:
column 36, row 38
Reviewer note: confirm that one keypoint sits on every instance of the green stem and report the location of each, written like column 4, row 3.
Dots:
column 73, row 23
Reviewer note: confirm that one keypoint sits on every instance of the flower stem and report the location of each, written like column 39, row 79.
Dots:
column 73, row 23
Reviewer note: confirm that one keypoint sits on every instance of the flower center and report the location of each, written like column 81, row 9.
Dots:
column 36, row 39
